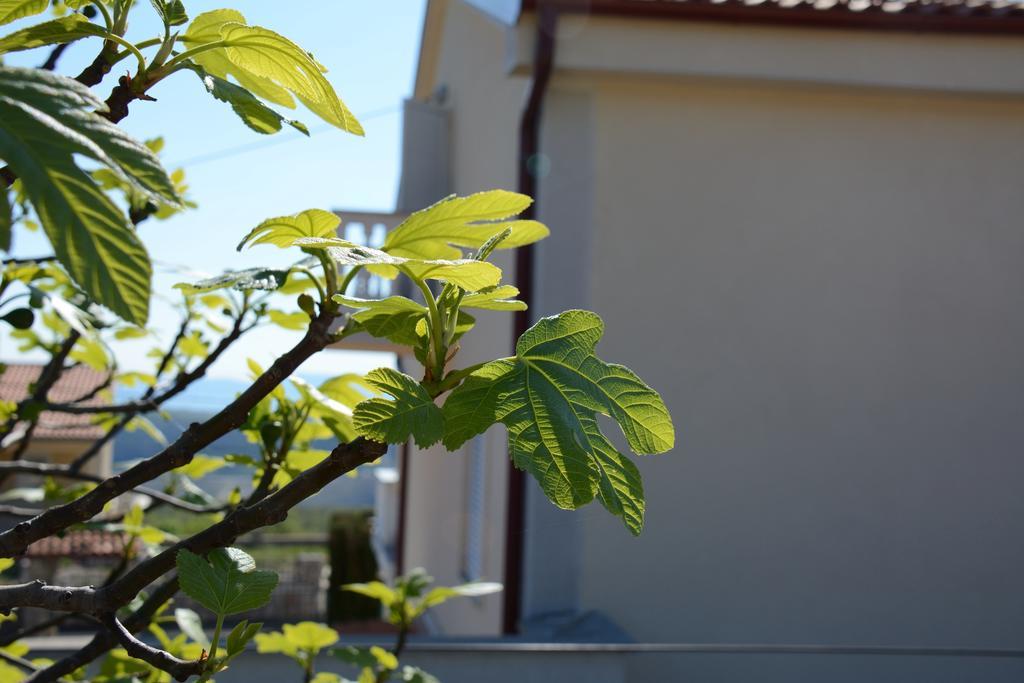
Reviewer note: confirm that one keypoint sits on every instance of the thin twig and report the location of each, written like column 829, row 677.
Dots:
column 55, row 54
column 105, row 640
column 13, row 542
column 30, row 259
column 45, row 469
column 180, row 384
column 269, row 511
column 151, row 402
column 180, row 669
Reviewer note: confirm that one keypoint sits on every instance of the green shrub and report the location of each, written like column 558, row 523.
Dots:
column 352, row 561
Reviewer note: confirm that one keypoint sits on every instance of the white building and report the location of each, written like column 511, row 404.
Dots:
column 801, row 223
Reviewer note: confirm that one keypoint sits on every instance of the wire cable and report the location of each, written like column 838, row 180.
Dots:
column 228, row 152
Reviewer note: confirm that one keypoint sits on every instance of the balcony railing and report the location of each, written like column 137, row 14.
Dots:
column 370, row 229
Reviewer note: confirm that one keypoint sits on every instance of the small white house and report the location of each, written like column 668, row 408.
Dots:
column 802, row 224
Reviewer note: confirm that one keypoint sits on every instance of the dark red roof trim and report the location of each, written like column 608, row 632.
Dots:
column 957, row 16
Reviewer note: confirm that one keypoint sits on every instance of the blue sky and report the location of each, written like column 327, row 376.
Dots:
column 370, row 49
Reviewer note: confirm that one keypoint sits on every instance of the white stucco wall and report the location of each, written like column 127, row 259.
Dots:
column 826, row 287
column 817, row 261
column 485, row 104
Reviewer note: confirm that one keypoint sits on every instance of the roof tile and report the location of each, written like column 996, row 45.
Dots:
column 74, row 383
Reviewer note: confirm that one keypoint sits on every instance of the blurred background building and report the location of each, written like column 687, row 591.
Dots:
column 800, row 223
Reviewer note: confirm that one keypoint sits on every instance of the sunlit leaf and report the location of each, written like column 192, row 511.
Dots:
column 130, row 333
column 296, row 320
column 298, row 461
column 11, row 674
column 501, row 298
column 130, row 379
column 349, row 389
column 62, row 30
column 258, row 116
column 468, row 274
column 409, row 412
column 200, row 466
column 90, row 351
column 374, row 589
column 19, row 9
column 283, row 231
column 549, row 395
column 275, row 643
column 367, row 658
column 142, row 423
column 172, row 12
column 310, row 636
column 249, row 279
column 412, row 674
column 193, row 346
column 240, row 635
column 394, row 318
column 205, row 28
column 229, row 583
column 266, row 64
column 465, row 222
column 442, row 594
column 191, row 625
column 322, row 403
column 45, row 120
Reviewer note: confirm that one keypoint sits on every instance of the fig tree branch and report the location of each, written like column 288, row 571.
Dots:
column 13, row 542
column 105, row 640
column 148, row 402
column 271, row 510
column 180, row 669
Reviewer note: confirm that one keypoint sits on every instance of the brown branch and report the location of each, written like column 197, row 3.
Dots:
column 92, row 393
column 99, row 67
column 31, row 259
column 55, row 54
column 105, row 640
column 180, row 669
column 165, row 360
column 13, row 542
column 180, row 384
column 271, row 510
column 97, row 445
column 148, row 402
column 59, row 619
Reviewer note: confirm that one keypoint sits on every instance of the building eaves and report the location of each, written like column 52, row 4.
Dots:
column 958, row 16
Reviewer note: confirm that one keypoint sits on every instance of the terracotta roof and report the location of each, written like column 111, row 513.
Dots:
column 74, row 383
column 79, row 544
column 981, row 16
